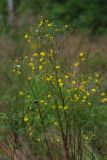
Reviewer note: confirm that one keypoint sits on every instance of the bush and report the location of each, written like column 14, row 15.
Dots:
column 61, row 105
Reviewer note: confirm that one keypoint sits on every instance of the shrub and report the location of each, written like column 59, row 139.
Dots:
column 61, row 104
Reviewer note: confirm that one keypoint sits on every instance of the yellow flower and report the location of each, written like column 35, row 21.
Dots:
column 97, row 75
column 28, row 96
column 14, row 70
column 87, row 93
column 40, row 67
column 66, row 76
column 49, row 95
column 26, row 36
column 57, row 67
column 41, row 101
column 18, row 72
column 49, row 24
column 59, row 80
column 42, row 54
column 65, row 107
column 41, row 59
column 58, row 140
column 38, row 140
column 84, row 97
column 89, row 103
column 61, row 84
column 83, row 59
column 35, row 54
column 30, row 133
column 33, row 68
column 29, row 78
column 73, row 82
column 66, row 26
column 93, row 90
column 59, row 107
column 31, row 64
column 41, row 23
column 76, row 97
column 102, row 94
column 21, row 93
column 97, row 81
column 77, row 64
column 55, row 123
column 81, row 54
column 104, row 100
column 26, row 118
column 48, row 79
column 26, row 57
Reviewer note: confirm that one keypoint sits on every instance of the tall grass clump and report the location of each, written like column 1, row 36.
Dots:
column 59, row 116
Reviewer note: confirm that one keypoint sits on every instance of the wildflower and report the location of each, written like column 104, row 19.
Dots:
column 42, row 54
column 14, row 70
column 41, row 101
column 31, row 64
column 96, row 81
column 87, row 93
column 30, row 133
column 26, row 57
column 73, row 82
column 66, row 26
column 77, row 64
column 76, row 97
column 49, row 24
column 85, row 137
column 102, row 94
column 48, row 79
column 57, row 67
column 58, row 140
column 41, row 59
column 29, row 78
column 65, row 107
column 81, row 54
column 49, row 95
column 97, row 75
column 61, row 84
column 45, row 103
column 83, row 59
column 40, row 67
column 26, row 118
column 28, row 96
column 18, row 66
column 26, row 36
column 55, row 123
column 66, row 76
column 33, row 68
column 104, row 100
column 41, row 23
column 31, row 59
column 93, row 90
column 89, row 103
column 59, row 80
column 35, row 54
column 18, row 72
column 59, row 107
column 84, row 97
column 38, row 140
column 21, row 93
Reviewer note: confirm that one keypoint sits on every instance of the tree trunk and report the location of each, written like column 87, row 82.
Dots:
column 10, row 11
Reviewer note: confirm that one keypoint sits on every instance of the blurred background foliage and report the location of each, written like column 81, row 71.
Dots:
column 82, row 14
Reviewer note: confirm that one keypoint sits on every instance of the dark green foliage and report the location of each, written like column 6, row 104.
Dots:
column 82, row 14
